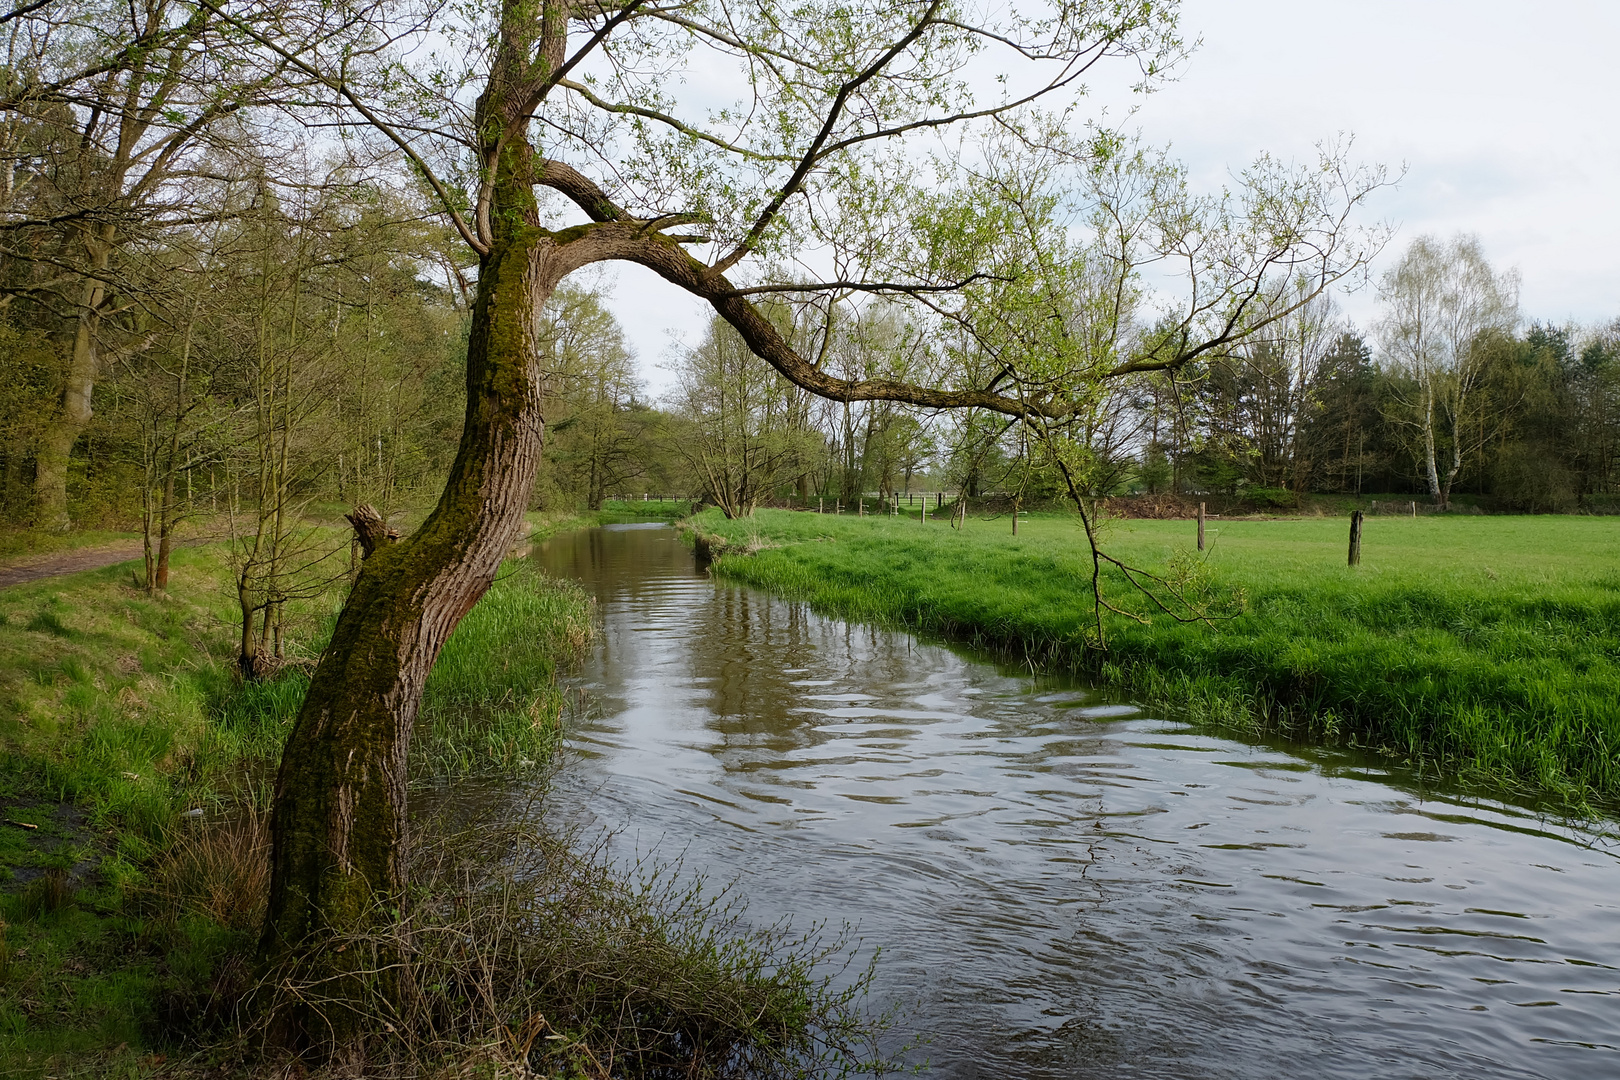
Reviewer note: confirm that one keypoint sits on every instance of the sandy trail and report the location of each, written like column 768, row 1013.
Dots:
column 56, row 563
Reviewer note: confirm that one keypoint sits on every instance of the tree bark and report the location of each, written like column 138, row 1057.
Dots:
column 370, row 529
column 73, row 415
column 339, row 821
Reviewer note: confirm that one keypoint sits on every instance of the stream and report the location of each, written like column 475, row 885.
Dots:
column 1062, row 885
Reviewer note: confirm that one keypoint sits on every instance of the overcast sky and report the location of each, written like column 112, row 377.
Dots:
column 1504, row 113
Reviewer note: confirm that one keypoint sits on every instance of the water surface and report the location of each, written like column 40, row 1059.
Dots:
column 1063, row 886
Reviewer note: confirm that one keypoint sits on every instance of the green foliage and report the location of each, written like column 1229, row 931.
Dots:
column 1481, row 647
column 632, row 510
column 602, row 437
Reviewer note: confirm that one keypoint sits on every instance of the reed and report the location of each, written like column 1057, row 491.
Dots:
column 492, row 701
column 530, row 952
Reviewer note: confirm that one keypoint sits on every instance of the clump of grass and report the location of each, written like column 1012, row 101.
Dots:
column 525, row 951
column 48, row 622
column 1432, row 651
column 492, row 701
column 218, row 870
column 48, row 892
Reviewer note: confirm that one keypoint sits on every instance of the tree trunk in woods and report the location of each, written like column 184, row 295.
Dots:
column 73, row 416
column 170, row 511
column 160, row 573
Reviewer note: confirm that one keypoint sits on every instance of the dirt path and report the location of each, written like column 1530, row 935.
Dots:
column 68, row 562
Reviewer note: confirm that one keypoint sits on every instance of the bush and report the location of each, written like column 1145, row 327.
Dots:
column 1265, row 498
column 1529, row 479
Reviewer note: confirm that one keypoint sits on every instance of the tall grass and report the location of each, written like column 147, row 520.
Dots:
column 1481, row 647
column 129, row 742
column 492, row 698
column 531, row 953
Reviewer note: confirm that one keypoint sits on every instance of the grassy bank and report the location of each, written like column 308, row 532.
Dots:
column 134, row 765
column 1484, row 647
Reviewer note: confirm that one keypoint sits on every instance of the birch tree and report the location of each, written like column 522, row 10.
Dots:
column 1442, row 302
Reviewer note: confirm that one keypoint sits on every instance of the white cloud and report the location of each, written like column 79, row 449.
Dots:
column 1502, row 111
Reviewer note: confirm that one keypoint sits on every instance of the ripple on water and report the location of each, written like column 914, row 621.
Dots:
column 1063, row 887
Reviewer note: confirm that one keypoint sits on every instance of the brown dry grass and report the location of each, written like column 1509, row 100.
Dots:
column 218, row 870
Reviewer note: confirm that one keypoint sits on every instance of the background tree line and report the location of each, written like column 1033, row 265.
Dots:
column 308, row 352
column 1450, row 397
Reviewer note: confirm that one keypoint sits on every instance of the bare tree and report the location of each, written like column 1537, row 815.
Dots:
column 740, row 427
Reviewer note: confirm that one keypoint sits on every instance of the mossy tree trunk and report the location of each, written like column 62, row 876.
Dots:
column 339, row 820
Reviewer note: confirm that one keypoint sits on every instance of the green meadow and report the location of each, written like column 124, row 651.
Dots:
column 1483, row 648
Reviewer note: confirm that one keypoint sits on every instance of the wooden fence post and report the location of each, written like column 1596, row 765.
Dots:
column 1355, row 538
column 1200, row 526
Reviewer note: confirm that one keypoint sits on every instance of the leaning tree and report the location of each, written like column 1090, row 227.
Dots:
column 921, row 150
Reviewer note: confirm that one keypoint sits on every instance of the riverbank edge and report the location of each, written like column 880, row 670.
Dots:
column 124, row 725
column 133, row 965
column 1240, row 701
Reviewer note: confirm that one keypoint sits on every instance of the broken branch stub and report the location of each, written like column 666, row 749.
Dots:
column 370, row 529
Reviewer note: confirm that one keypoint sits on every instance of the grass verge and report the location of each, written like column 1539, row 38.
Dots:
column 125, row 734
column 1483, row 648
